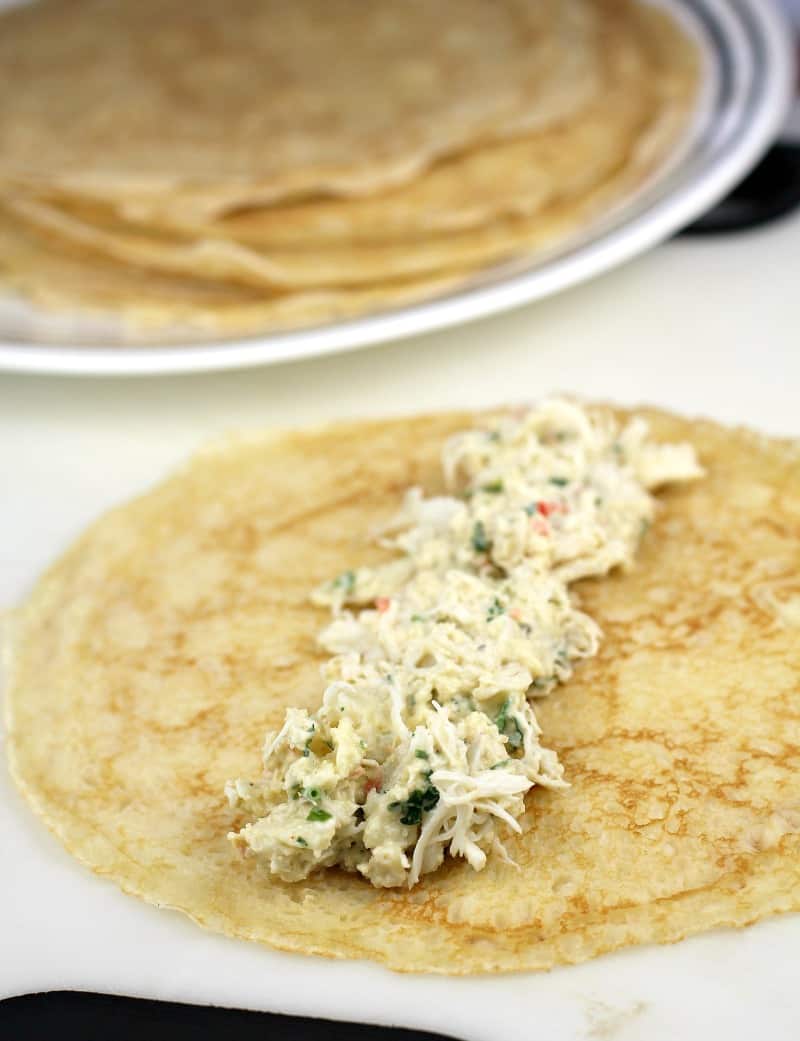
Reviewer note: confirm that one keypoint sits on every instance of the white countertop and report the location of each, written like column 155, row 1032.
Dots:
column 703, row 326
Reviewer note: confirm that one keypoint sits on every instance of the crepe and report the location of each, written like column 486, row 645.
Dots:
column 69, row 284
column 530, row 192
column 255, row 168
column 225, row 288
column 163, row 106
column 148, row 663
column 505, row 178
column 219, row 261
column 513, row 179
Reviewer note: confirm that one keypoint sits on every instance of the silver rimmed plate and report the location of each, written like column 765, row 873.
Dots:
column 748, row 74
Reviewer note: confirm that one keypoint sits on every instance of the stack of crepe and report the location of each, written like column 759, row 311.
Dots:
column 256, row 165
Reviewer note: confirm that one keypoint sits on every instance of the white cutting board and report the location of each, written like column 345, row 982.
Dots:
column 698, row 326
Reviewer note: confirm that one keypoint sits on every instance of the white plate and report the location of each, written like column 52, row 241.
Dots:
column 747, row 89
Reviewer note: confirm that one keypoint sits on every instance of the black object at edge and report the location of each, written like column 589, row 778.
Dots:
column 771, row 190
column 66, row 1015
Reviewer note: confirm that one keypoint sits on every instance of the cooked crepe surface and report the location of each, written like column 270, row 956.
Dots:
column 272, row 169
column 150, row 660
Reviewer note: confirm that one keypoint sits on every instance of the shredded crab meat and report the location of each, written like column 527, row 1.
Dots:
column 426, row 741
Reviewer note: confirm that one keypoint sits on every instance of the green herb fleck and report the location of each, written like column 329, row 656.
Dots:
column 495, row 610
column 306, row 753
column 301, row 841
column 314, row 794
column 346, row 582
column 493, row 435
column 421, row 754
column 481, row 543
column 493, row 487
column 419, row 802
column 509, row 727
column 500, row 719
column 500, row 765
column 561, row 482
column 318, row 814
column 531, row 508
column 417, row 618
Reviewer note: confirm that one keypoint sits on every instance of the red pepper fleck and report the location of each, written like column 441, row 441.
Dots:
column 540, row 526
column 373, row 784
column 382, row 603
column 515, row 613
